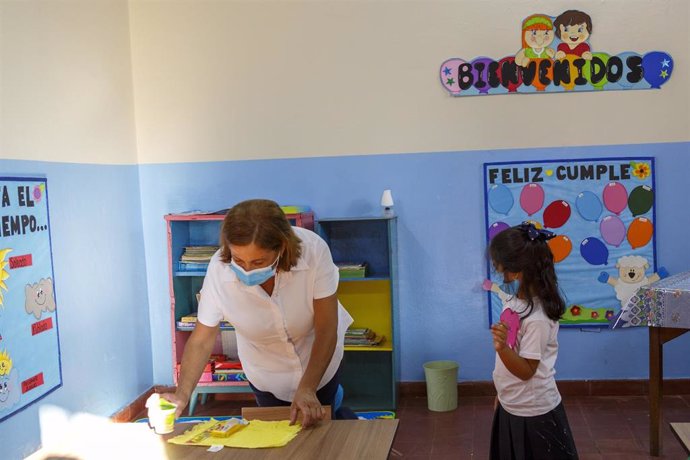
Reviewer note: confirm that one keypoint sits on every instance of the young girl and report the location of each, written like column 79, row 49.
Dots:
column 530, row 421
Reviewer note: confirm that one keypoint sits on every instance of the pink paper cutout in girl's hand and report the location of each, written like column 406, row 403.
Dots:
column 512, row 320
column 486, row 285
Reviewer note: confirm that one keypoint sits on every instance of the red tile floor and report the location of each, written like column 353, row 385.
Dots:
column 604, row 427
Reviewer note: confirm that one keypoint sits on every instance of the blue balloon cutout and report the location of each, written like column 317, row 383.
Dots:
column 594, row 251
column 589, row 206
column 624, row 79
column 657, row 67
column 501, row 198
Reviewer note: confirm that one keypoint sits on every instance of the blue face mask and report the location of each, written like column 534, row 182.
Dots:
column 256, row 276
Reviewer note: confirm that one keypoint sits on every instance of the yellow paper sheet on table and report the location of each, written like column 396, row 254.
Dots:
column 257, row 435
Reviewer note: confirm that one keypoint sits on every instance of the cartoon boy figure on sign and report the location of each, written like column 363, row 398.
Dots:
column 573, row 28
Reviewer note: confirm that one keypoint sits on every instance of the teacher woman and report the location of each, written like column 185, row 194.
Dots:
column 277, row 285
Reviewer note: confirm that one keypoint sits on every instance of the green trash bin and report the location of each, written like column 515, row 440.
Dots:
column 441, row 385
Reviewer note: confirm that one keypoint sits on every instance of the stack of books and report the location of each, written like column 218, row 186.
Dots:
column 352, row 269
column 188, row 322
column 228, row 371
column 198, row 254
column 362, row 337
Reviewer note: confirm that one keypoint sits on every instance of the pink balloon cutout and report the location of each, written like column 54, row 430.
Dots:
column 449, row 75
column 512, row 320
column 531, row 198
column 615, row 197
column 612, row 230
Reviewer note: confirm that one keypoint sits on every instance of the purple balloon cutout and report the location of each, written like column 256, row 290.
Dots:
column 612, row 230
column 483, row 75
column 615, row 197
column 532, row 198
column 496, row 228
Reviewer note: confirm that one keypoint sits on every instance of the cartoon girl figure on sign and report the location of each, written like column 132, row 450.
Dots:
column 537, row 35
column 573, row 28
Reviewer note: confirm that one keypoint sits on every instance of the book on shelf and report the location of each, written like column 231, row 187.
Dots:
column 352, row 269
column 215, row 377
column 198, row 254
column 362, row 337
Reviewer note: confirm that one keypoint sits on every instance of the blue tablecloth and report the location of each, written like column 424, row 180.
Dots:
column 665, row 303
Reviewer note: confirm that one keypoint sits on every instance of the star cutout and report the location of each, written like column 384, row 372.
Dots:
column 664, row 74
column 446, row 71
column 450, row 82
column 665, row 63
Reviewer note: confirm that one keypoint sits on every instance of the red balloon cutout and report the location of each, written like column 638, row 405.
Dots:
column 556, row 214
column 513, row 77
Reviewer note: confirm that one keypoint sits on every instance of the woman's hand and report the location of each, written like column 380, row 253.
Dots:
column 177, row 399
column 499, row 332
column 306, row 402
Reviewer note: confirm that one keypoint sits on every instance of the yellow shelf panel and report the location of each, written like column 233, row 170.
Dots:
column 387, row 348
column 369, row 304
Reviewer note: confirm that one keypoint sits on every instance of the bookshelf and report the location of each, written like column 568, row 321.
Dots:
column 186, row 280
column 369, row 375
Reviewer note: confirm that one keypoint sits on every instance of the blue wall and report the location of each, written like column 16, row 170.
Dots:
column 100, row 284
column 439, row 201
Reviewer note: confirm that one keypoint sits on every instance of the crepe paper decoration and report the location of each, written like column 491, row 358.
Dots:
column 615, row 197
column 594, row 251
column 512, row 321
column 640, row 200
column 556, row 56
column 640, row 232
column 258, row 434
column 612, row 230
column 589, row 206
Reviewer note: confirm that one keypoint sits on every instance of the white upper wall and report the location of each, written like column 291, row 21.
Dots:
column 66, row 81
column 227, row 80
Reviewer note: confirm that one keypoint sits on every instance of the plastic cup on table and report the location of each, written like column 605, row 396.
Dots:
column 161, row 414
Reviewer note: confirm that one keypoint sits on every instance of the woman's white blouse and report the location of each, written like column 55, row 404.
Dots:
column 275, row 333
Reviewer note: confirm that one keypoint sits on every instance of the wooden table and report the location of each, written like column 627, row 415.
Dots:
column 682, row 432
column 663, row 307
column 334, row 439
column 337, row 439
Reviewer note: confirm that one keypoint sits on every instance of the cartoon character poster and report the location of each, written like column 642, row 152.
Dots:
column 555, row 55
column 29, row 345
column 602, row 212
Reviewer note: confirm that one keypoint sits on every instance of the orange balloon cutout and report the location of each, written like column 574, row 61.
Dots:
column 640, row 232
column 549, row 73
column 560, row 246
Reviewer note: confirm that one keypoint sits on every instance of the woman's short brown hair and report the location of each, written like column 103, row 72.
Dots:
column 263, row 223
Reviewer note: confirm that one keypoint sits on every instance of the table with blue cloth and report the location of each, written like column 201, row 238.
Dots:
column 663, row 307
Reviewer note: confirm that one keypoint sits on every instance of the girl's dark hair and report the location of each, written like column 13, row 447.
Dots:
column 263, row 223
column 516, row 250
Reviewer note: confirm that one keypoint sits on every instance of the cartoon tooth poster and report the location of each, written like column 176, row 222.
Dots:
column 603, row 214
column 555, row 55
column 29, row 343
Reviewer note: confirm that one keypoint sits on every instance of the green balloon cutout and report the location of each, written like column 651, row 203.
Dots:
column 640, row 200
column 595, row 69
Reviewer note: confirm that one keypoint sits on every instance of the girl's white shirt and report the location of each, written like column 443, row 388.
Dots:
column 275, row 333
column 537, row 339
